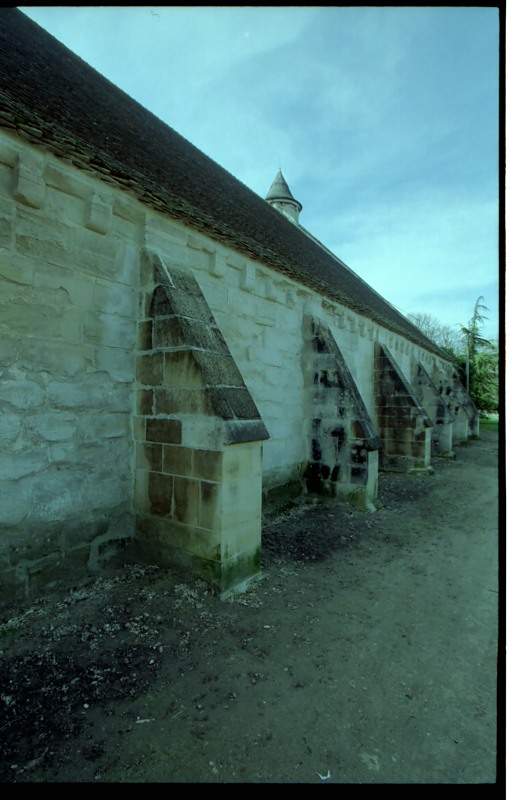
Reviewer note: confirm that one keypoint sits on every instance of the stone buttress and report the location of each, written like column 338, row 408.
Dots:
column 198, row 437
column 436, row 402
column 404, row 424
column 343, row 458
column 460, row 405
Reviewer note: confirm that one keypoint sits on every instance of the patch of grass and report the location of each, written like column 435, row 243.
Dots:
column 489, row 424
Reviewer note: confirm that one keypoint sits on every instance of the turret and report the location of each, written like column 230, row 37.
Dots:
column 280, row 197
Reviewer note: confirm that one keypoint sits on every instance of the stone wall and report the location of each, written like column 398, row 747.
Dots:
column 67, row 331
column 70, row 319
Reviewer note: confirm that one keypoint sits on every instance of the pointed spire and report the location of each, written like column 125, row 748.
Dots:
column 280, row 197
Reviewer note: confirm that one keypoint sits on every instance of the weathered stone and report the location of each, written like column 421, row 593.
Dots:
column 237, row 431
column 241, row 403
column 145, row 401
column 189, row 401
column 186, row 500
column 92, row 427
column 54, row 427
column 218, row 369
column 115, row 299
column 149, row 369
column 15, row 505
column 17, row 465
column 78, row 288
column 150, row 456
column 109, row 330
column 207, row 464
column 94, row 391
column 209, row 505
column 181, row 370
column 8, row 351
column 177, row 460
column 118, row 363
column 219, row 403
column 99, row 215
column 57, row 358
column 167, row 431
column 160, row 493
column 145, row 333
column 10, row 426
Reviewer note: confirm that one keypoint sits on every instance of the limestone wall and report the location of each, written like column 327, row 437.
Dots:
column 67, row 331
column 70, row 246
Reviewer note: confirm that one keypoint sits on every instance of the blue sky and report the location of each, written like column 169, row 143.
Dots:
column 383, row 120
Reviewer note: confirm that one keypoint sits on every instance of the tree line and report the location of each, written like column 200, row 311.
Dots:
column 476, row 358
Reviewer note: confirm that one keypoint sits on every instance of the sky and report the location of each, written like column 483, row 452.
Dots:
column 383, row 120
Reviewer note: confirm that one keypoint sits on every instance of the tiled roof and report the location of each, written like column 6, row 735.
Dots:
column 53, row 98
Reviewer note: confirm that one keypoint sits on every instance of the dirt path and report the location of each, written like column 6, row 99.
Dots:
column 366, row 654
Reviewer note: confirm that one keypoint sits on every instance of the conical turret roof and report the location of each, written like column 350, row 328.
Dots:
column 280, row 190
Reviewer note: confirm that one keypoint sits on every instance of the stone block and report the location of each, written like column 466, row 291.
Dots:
column 15, row 269
column 248, row 278
column 29, row 186
column 177, row 460
column 145, row 402
column 149, row 369
column 186, row 500
column 58, row 358
column 115, row 299
column 94, row 391
column 243, row 461
column 150, row 456
column 217, row 264
column 241, row 403
column 105, row 491
column 174, row 401
column 239, row 431
column 17, row 465
column 10, row 427
column 219, row 370
column 160, row 493
column 92, row 427
column 78, row 288
column 99, row 215
column 50, row 323
column 16, row 505
column 109, row 330
column 210, row 502
column 171, row 543
column 126, row 263
column 207, row 464
column 8, row 351
column 182, row 370
column 6, row 232
column 145, row 335
column 53, row 426
column 139, row 428
column 218, row 402
column 166, row 431
column 141, row 500
column 119, row 364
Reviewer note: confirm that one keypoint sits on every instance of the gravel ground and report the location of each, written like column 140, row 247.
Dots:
column 366, row 654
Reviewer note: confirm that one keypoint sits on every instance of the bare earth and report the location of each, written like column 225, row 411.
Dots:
column 367, row 653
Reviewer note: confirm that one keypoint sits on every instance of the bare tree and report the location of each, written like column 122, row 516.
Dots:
column 442, row 335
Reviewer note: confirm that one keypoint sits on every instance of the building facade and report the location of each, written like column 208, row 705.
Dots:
column 175, row 350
